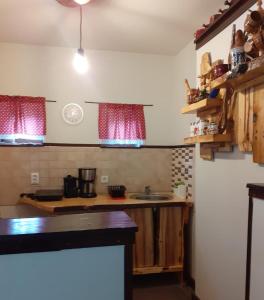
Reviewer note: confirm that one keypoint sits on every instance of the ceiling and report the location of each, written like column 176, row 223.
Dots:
column 143, row 26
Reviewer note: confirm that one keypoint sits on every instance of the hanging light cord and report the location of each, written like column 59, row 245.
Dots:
column 81, row 21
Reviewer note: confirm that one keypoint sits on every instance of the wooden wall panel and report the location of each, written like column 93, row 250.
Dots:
column 258, row 125
column 244, row 120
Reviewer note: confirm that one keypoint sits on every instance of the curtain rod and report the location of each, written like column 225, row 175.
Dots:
column 92, row 102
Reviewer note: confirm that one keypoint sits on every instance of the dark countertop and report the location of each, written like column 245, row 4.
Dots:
column 65, row 232
column 256, row 190
column 255, row 185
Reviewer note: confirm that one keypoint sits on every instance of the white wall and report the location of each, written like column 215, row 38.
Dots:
column 221, row 197
column 221, row 201
column 257, row 262
column 114, row 76
column 184, row 67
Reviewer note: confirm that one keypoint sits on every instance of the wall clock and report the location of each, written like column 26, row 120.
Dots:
column 72, row 113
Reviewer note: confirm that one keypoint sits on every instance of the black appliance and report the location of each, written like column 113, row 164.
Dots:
column 87, row 182
column 48, row 195
column 70, row 187
column 116, row 191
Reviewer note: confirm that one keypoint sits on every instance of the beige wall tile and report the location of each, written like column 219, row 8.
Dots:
column 132, row 167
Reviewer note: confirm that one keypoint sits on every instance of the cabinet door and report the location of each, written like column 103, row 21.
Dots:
column 143, row 252
column 170, row 237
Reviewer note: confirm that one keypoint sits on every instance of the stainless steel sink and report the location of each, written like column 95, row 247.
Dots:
column 151, row 197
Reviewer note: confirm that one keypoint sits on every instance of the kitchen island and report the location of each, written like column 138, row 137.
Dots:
column 80, row 256
column 163, row 233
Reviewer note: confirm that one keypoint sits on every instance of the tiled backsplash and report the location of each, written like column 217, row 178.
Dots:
column 183, row 168
column 133, row 168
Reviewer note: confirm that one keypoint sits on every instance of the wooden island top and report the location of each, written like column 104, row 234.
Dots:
column 101, row 202
column 28, row 235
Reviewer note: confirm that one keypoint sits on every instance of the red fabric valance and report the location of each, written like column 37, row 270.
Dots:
column 123, row 122
column 22, row 115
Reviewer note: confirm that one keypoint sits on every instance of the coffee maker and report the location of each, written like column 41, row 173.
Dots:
column 87, row 182
column 70, row 187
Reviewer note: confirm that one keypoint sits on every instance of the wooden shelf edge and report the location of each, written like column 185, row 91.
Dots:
column 201, row 105
column 249, row 79
column 157, row 269
column 209, row 138
column 237, row 9
column 220, row 82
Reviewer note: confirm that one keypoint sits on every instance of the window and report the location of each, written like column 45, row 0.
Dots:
column 121, row 124
column 22, row 120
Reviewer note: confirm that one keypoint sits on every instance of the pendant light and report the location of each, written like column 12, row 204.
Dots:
column 81, row 2
column 80, row 62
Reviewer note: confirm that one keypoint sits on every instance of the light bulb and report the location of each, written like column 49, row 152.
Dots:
column 80, row 62
column 81, row 2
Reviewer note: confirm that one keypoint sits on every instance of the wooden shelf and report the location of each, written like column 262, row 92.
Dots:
column 220, row 82
column 201, row 105
column 249, row 79
column 237, row 9
column 209, row 138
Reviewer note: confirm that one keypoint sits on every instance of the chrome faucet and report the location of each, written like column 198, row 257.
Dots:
column 147, row 190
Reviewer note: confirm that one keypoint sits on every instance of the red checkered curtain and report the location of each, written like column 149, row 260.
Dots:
column 22, row 119
column 121, row 124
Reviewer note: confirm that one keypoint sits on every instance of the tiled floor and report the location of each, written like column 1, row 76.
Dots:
column 159, row 288
column 167, row 292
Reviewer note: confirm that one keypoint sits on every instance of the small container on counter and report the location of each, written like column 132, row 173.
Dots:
column 180, row 190
column 212, row 128
column 202, row 127
column 117, row 191
column 199, row 127
column 219, row 70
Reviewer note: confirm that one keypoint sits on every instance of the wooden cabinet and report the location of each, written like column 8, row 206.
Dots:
column 170, row 237
column 159, row 240
column 143, row 250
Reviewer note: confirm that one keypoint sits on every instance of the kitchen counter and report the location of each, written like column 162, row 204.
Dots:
column 101, row 202
column 154, row 218
column 63, row 257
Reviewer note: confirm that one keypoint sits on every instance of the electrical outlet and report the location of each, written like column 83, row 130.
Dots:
column 35, row 178
column 104, row 179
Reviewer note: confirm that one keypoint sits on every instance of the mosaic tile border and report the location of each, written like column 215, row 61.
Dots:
column 183, row 168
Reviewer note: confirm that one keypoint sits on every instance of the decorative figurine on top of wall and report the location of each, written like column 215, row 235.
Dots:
column 199, row 32
column 229, row 3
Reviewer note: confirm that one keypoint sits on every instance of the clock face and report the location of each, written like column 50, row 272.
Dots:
column 72, row 113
